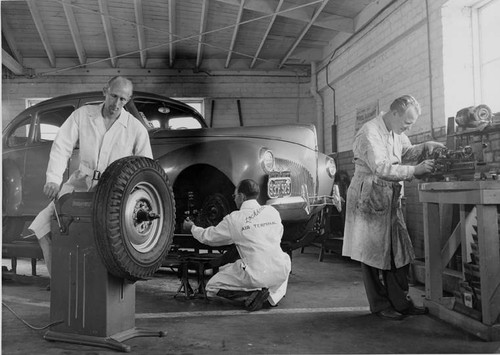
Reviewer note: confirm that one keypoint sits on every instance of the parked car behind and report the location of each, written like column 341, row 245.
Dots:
column 203, row 164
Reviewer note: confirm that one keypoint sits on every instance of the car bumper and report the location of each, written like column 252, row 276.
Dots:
column 300, row 208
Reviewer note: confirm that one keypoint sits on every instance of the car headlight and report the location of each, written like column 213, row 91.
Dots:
column 331, row 168
column 267, row 160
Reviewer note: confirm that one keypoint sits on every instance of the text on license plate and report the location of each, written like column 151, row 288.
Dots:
column 279, row 187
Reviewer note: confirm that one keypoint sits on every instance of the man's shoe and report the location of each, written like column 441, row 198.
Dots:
column 414, row 310
column 230, row 294
column 256, row 300
column 390, row 314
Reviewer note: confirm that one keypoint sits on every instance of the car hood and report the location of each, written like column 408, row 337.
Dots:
column 302, row 134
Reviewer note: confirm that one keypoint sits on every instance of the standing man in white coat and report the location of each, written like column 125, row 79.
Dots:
column 262, row 272
column 375, row 231
column 104, row 133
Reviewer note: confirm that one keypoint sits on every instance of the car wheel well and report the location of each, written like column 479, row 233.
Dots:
column 194, row 185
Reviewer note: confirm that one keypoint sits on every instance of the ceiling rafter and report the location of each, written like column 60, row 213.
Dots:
column 331, row 22
column 203, row 26
column 12, row 64
column 141, row 37
column 266, row 34
column 75, row 32
column 303, row 33
column 11, row 42
column 171, row 29
column 35, row 14
column 235, row 33
column 108, row 31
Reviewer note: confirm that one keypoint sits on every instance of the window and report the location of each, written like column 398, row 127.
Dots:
column 49, row 122
column 19, row 135
column 486, row 27
column 196, row 103
column 166, row 114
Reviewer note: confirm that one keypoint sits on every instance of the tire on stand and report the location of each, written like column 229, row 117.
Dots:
column 133, row 217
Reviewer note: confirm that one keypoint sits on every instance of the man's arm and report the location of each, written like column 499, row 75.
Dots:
column 372, row 149
column 61, row 151
column 142, row 145
column 213, row 236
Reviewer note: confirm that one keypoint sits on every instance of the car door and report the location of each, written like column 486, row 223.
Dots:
column 47, row 122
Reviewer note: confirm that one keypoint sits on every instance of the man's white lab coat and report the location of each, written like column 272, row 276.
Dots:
column 375, row 230
column 98, row 148
column 256, row 232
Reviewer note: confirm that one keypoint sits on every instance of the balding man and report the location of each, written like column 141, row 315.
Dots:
column 375, row 232
column 104, row 133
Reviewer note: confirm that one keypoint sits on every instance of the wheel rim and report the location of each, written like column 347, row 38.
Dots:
column 143, row 217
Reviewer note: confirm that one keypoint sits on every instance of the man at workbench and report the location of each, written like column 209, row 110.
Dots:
column 260, row 277
column 375, row 231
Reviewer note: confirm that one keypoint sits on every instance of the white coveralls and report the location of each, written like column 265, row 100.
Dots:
column 374, row 224
column 256, row 232
column 98, row 149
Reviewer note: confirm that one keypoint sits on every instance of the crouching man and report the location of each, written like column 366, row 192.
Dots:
column 260, row 277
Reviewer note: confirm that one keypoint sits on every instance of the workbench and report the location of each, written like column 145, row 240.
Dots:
column 439, row 249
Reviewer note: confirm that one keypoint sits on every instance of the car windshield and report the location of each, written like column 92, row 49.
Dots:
column 166, row 115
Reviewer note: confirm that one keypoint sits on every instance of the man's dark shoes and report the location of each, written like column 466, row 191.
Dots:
column 414, row 310
column 255, row 301
column 390, row 314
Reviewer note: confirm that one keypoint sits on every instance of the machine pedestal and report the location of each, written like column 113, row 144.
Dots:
column 95, row 307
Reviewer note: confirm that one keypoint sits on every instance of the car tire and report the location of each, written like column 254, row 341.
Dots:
column 133, row 217
column 213, row 210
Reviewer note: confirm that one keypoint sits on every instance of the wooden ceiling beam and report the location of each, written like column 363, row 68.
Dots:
column 266, row 34
column 235, row 32
column 12, row 64
column 75, row 32
column 304, row 14
column 9, row 38
column 172, row 25
column 141, row 37
column 303, row 33
column 203, row 26
column 108, row 31
column 35, row 14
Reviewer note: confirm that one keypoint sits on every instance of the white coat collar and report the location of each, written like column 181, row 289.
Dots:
column 380, row 122
column 249, row 205
column 97, row 113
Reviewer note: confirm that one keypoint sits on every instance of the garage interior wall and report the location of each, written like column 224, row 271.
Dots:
column 264, row 99
column 415, row 47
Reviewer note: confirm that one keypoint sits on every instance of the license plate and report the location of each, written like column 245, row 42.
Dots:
column 279, row 185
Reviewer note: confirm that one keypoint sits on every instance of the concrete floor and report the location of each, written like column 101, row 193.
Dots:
column 325, row 311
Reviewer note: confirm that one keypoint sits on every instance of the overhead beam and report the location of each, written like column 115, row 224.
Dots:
column 303, row 33
column 141, row 37
column 12, row 64
column 203, row 26
column 75, row 32
column 108, row 31
column 172, row 25
column 35, row 14
column 329, row 21
column 9, row 38
column 235, row 32
column 266, row 34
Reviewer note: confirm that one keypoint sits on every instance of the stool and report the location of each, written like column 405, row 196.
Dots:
column 199, row 263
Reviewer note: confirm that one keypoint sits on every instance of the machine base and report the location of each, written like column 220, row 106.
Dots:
column 114, row 342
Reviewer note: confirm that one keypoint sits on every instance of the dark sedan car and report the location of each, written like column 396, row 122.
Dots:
column 203, row 164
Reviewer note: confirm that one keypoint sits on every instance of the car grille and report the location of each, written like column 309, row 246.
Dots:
column 299, row 174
